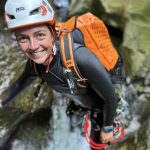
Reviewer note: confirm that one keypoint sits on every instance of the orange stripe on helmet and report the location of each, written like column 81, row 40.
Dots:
column 50, row 22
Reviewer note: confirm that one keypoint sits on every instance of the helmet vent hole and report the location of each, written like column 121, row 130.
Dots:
column 11, row 16
column 35, row 11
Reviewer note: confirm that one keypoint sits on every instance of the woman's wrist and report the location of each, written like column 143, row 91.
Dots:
column 108, row 129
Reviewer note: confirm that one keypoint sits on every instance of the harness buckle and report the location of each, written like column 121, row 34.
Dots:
column 70, row 81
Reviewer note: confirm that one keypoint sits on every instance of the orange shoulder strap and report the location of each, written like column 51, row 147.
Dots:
column 67, row 48
column 68, row 25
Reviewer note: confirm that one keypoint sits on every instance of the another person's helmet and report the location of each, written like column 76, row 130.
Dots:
column 21, row 13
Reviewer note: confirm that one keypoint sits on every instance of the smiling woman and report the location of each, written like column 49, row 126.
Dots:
column 33, row 23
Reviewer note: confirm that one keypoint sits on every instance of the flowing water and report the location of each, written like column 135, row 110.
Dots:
column 63, row 136
column 53, row 135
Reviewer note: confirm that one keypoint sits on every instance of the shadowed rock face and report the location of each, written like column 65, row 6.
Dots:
column 2, row 3
column 133, row 18
column 43, row 115
column 6, row 139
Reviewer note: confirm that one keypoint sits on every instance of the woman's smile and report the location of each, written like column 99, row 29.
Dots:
column 37, row 54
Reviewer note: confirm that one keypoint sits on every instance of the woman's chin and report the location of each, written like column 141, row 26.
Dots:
column 39, row 61
column 42, row 60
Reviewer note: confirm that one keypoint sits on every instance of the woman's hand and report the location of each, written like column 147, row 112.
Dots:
column 106, row 136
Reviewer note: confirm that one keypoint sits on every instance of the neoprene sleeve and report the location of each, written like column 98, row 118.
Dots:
column 91, row 68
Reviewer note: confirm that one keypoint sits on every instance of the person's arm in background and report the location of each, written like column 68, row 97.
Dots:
column 98, row 78
column 23, row 81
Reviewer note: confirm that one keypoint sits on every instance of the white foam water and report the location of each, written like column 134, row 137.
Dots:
column 62, row 137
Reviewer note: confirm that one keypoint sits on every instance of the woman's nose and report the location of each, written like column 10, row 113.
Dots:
column 33, row 45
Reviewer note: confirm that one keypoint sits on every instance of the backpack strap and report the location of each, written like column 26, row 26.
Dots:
column 69, row 25
column 67, row 53
column 118, row 74
column 71, row 70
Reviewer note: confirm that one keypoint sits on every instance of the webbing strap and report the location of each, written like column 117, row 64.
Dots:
column 123, row 71
column 67, row 53
column 119, row 78
column 33, row 65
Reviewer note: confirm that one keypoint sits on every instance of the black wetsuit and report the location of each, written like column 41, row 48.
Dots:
column 99, row 93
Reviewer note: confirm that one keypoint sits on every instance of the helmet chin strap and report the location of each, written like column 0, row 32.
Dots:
column 51, row 54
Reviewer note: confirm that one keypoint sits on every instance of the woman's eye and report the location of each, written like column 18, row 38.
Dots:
column 22, row 39
column 40, row 36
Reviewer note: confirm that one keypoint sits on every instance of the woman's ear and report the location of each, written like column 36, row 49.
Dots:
column 54, row 49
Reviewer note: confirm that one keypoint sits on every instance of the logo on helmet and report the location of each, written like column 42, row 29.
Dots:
column 43, row 10
column 20, row 9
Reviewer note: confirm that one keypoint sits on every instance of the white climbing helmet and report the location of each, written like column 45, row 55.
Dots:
column 21, row 13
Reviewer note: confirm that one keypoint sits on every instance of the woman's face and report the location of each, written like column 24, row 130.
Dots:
column 36, row 43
